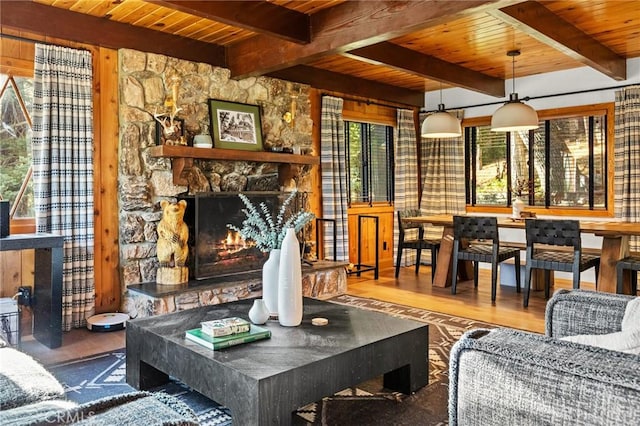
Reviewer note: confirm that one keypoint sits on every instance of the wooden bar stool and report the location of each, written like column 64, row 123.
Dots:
column 632, row 263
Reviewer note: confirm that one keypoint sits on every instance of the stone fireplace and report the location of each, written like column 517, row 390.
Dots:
column 144, row 179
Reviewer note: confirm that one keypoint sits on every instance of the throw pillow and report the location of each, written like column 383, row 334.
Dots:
column 623, row 341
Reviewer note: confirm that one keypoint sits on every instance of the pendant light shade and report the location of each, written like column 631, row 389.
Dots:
column 441, row 124
column 514, row 115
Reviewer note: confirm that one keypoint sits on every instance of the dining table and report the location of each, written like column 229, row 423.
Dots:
column 615, row 245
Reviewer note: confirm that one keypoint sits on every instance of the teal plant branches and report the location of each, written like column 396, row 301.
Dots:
column 261, row 227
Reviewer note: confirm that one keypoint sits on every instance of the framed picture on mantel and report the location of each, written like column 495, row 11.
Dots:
column 235, row 125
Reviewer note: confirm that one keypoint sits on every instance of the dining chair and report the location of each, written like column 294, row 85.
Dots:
column 475, row 238
column 631, row 263
column 555, row 234
column 418, row 244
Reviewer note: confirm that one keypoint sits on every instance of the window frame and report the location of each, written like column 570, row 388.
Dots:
column 390, row 141
column 19, row 225
column 556, row 113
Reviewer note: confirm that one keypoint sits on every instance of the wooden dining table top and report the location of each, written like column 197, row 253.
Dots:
column 601, row 228
column 615, row 245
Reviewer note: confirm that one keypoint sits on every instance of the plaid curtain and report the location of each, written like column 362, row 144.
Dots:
column 442, row 167
column 333, row 159
column 406, row 178
column 627, row 157
column 63, row 169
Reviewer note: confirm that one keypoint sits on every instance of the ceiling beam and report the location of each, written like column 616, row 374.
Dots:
column 537, row 21
column 328, row 80
column 350, row 25
column 59, row 23
column 416, row 63
column 257, row 16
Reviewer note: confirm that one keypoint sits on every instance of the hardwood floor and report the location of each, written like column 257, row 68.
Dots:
column 469, row 302
column 409, row 289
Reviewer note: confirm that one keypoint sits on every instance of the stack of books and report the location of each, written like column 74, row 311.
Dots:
column 226, row 332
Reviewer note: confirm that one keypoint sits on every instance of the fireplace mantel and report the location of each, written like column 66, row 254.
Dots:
column 183, row 157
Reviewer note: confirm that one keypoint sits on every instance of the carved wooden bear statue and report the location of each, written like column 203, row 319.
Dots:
column 172, row 247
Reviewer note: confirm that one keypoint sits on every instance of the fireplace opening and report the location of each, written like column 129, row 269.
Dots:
column 214, row 249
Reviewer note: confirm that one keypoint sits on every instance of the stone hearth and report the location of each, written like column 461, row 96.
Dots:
column 322, row 280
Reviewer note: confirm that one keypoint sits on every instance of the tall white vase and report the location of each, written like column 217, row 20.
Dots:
column 290, row 289
column 270, row 281
column 518, row 207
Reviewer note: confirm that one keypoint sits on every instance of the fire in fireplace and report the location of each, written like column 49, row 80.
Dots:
column 214, row 249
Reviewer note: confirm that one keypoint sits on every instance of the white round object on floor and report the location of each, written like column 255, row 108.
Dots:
column 107, row 322
column 319, row 321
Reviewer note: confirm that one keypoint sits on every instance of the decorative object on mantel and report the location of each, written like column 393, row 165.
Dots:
column 290, row 288
column 169, row 129
column 172, row 248
column 235, row 125
column 259, row 314
column 203, row 140
column 260, row 227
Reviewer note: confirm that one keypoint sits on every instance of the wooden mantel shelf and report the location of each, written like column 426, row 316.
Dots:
column 177, row 151
column 183, row 159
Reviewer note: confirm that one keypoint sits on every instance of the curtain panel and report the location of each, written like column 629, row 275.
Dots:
column 63, row 169
column 627, row 157
column 442, row 167
column 334, row 177
column 406, row 178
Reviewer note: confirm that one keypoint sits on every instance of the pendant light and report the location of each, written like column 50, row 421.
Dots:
column 514, row 115
column 441, row 124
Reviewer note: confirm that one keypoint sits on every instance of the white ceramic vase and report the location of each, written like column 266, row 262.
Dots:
column 518, row 207
column 290, row 288
column 270, row 280
column 259, row 314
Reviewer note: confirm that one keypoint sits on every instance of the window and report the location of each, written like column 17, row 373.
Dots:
column 16, row 99
column 369, row 162
column 562, row 165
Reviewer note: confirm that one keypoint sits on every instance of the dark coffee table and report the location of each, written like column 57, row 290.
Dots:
column 264, row 382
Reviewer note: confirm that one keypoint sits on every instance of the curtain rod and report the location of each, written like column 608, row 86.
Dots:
column 528, row 98
column 368, row 102
column 30, row 40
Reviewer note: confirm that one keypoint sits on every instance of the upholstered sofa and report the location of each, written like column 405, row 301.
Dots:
column 30, row 395
column 511, row 377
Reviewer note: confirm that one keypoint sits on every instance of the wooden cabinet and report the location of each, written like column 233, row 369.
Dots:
column 385, row 235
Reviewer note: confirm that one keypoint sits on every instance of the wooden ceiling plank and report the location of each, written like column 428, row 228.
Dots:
column 416, row 63
column 327, row 80
column 282, row 23
column 59, row 23
column 348, row 26
column 540, row 23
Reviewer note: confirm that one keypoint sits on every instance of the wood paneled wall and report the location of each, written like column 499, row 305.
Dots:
column 17, row 267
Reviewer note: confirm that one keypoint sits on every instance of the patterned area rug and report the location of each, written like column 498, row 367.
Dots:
column 368, row 403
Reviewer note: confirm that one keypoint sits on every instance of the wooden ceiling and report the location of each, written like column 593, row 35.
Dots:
column 386, row 50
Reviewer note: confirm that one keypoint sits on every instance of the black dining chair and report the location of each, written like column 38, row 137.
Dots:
column 475, row 238
column 555, row 233
column 418, row 244
column 632, row 264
